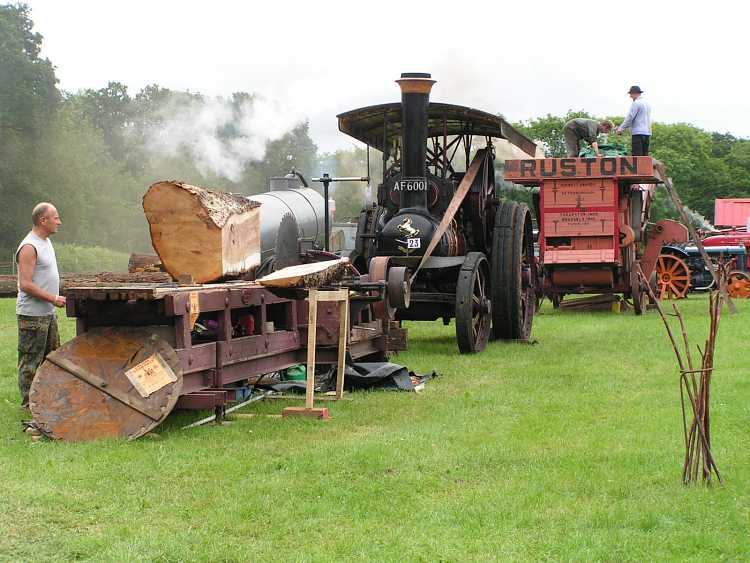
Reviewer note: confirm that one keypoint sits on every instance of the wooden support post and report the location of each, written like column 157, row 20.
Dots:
column 343, row 333
column 312, row 323
column 315, row 296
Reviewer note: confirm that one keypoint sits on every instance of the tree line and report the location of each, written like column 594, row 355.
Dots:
column 94, row 152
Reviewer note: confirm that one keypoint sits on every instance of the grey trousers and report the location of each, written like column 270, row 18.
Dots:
column 572, row 146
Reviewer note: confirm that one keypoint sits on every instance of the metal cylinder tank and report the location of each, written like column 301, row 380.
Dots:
column 305, row 205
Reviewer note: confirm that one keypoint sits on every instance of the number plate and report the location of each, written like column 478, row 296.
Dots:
column 413, row 243
column 411, row 185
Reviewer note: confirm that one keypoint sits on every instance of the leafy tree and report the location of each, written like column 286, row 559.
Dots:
column 28, row 86
column 110, row 110
column 295, row 149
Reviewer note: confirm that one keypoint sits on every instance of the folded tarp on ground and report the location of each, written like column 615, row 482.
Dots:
column 365, row 375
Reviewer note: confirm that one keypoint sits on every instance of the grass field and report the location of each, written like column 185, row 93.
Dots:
column 567, row 449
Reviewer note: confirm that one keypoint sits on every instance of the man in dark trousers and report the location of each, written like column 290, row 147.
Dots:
column 38, row 295
column 582, row 129
column 638, row 121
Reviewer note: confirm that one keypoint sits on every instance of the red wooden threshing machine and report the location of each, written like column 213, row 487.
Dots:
column 593, row 227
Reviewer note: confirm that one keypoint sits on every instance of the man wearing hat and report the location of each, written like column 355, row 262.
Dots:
column 638, row 121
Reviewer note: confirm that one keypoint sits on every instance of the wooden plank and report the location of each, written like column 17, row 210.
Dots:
column 579, row 193
column 343, row 332
column 306, row 275
column 579, row 223
column 312, row 322
column 532, row 171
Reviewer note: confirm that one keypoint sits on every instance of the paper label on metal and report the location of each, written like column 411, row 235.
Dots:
column 195, row 308
column 150, row 375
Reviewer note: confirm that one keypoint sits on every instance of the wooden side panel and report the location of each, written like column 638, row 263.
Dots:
column 632, row 168
column 579, row 223
column 578, row 193
column 579, row 256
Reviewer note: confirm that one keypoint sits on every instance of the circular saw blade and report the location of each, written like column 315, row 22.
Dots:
column 286, row 249
column 82, row 392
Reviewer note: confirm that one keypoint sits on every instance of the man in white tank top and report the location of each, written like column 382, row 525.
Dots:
column 38, row 295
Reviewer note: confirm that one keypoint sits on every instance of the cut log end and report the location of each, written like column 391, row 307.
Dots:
column 209, row 235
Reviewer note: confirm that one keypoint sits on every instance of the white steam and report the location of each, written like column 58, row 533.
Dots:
column 219, row 136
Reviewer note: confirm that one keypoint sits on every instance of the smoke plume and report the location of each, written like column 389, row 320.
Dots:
column 220, row 136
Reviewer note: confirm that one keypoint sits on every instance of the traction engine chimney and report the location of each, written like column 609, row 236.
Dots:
column 415, row 98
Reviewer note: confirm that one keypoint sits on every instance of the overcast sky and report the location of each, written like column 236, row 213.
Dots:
column 522, row 58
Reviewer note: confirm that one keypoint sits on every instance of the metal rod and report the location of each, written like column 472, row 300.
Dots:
column 327, row 178
column 211, row 418
column 326, row 181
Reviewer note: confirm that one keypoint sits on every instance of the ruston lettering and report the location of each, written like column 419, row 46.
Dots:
column 567, row 166
column 528, row 166
column 589, row 165
column 628, row 165
column 608, row 166
column 543, row 169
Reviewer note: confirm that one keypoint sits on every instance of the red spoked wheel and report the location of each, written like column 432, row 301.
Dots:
column 673, row 277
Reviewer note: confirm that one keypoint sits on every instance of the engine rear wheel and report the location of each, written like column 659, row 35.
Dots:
column 513, row 274
column 473, row 305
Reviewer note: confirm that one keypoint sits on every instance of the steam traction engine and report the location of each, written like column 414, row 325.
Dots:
column 440, row 237
column 593, row 228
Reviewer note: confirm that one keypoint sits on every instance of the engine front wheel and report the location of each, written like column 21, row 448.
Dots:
column 473, row 305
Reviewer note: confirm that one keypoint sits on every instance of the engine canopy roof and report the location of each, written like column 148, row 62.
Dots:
column 366, row 124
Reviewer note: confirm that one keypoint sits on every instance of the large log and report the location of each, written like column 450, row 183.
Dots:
column 202, row 234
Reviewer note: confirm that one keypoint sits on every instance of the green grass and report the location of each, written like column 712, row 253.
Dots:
column 567, row 449
column 79, row 258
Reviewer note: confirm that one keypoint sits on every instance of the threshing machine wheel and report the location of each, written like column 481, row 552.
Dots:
column 473, row 305
column 379, row 272
column 638, row 292
column 513, row 276
column 673, row 276
column 82, row 391
column 738, row 284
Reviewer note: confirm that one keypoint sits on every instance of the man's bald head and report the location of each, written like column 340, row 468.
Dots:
column 45, row 218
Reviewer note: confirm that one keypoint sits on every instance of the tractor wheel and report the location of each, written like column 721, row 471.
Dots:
column 513, row 273
column 673, row 277
column 473, row 304
column 738, row 284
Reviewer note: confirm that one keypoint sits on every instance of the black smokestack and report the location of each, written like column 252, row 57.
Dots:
column 415, row 98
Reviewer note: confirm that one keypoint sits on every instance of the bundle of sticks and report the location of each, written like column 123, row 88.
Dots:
column 695, row 385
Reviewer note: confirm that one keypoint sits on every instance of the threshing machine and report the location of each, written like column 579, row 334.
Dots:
column 593, row 227
column 440, row 237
